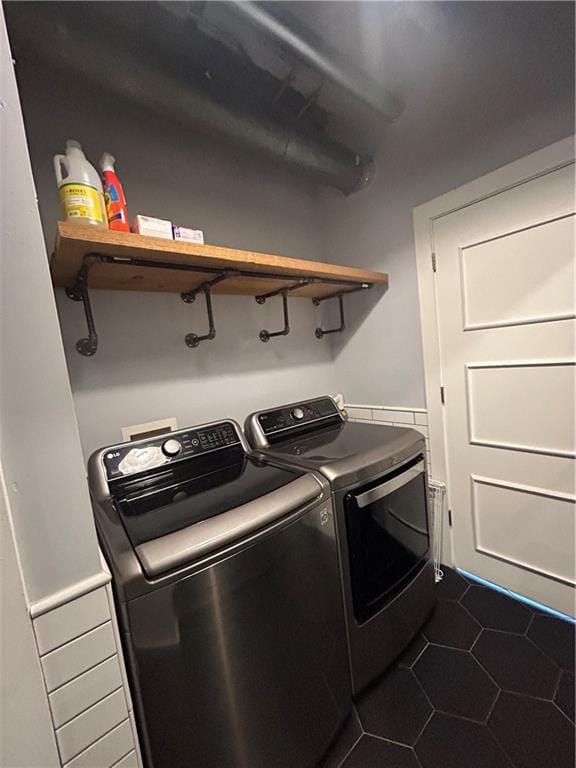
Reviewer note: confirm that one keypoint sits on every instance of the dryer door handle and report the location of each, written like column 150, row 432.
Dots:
column 384, row 489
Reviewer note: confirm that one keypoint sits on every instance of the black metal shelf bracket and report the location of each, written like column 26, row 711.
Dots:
column 88, row 345
column 321, row 332
column 192, row 339
column 265, row 335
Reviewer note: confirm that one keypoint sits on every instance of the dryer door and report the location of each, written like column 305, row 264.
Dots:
column 388, row 536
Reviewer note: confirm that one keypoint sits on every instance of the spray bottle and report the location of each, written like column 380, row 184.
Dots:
column 80, row 187
column 114, row 195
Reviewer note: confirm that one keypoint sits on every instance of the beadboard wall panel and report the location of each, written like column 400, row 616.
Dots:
column 85, row 678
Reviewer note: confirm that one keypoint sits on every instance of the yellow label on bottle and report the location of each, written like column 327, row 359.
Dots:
column 81, row 201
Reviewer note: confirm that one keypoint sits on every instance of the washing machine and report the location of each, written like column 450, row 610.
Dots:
column 226, row 581
column 380, row 496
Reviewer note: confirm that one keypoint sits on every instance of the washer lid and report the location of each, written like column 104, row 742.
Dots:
column 349, row 452
column 181, row 499
column 227, row 528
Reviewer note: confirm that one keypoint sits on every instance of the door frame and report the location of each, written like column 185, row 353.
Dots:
column 539, row 163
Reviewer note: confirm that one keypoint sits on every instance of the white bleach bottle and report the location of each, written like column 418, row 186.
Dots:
column 80, row 187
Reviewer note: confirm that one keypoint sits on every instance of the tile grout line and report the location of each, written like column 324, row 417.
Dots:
column 391, row 741
column 424, row 728
column 504, row 632
column 362, row 732
column 462, row 717
column 493, row 707
column 572, row 723
column 547, row 655
column 499, row 688
column 347, row 755
column 415, row 676
column 405, row 666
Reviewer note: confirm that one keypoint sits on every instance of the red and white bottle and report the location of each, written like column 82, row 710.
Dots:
column 116, row 209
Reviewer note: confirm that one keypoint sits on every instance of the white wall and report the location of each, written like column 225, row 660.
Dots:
column 143, row 369
column 26, row 735
column 379, row 360
column 39, row 443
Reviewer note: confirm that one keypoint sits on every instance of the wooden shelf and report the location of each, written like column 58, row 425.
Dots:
column 74, row 242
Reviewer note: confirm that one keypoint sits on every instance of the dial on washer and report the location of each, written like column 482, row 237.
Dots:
column 171, row 447
column 298, row 413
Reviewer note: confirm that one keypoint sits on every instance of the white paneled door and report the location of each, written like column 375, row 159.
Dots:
column 505, row 301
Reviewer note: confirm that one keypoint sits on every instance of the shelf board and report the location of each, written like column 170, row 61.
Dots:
column 74, row 242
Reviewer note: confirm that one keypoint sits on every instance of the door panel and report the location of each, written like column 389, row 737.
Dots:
column 521, row 277
column 512, row 522
column 506, row 409
column 505, row 297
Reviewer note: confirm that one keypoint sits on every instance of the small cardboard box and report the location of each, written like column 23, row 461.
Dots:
column 146, row 225
column 189, row 235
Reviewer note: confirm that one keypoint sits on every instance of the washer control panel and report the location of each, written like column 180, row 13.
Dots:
column 314, row 412
column 130, row 458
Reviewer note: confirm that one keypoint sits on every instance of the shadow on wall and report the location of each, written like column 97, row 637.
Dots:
column 358, row 307
column 135, row 329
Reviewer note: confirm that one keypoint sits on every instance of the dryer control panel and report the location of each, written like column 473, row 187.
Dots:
column 295, row 418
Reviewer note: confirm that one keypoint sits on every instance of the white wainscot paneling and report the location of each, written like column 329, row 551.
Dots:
column 91, row 725
column 108, row 750
column 81, row 693
column 130, row 761
column 512, row 522
column 79, row 655
column 71, row 620
column 521, row 277
column 505, row 406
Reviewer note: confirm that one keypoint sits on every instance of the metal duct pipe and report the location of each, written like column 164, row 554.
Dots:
column 357, row 83
column 138, row 81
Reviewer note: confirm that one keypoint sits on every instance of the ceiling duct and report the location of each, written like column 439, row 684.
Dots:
column 316, row 54
column 86, row 53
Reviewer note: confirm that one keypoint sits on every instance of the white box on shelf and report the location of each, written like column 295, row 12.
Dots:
column 189, row 235
column 146, row 225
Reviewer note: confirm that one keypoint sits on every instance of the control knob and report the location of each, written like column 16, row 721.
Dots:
column 298, row 413
column 171, row 447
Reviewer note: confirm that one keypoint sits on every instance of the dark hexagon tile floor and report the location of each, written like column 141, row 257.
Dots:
column 395, row 708
column 566, row 695
column 556, row 638
column 455, row 683
column 449, row 742
column 452, row 625
column 452, row 586
column 371, row 752
column 504, row 699
column 516, row 664
column 411, row 654
column 534, row 733
column 494, row 610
